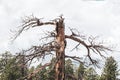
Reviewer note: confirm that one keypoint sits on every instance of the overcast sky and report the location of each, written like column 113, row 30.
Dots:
column 91, row 17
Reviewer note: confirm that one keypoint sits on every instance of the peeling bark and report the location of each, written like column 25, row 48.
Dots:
column 60, row 52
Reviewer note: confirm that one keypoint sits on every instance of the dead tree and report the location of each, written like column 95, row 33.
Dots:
column 60, row 52
column 58, row 45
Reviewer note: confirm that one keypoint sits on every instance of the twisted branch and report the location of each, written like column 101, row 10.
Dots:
column 91, row 46
column 31, row 22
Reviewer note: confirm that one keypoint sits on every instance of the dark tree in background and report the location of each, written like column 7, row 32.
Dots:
column 69, row 71
column 11, row 68
column 58, row 45
column 110, row 71
column 81, row 72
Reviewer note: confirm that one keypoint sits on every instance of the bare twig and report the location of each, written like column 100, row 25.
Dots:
column 91, row 46
column 74, row 58
column 31, row 22
column 76, row 33
column 76, row 47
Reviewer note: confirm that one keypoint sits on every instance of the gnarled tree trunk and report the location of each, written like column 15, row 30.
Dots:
column 60, row 52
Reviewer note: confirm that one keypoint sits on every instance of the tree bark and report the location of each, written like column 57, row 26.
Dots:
column 60, row 52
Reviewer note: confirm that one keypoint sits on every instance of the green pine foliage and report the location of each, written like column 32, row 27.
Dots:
column 81, row 71
column 10, row 69
column 110, row 71
column 69, row 71
column 87, row 73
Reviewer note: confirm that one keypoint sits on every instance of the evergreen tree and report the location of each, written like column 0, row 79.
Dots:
column 110, row 69
column 69, row 71
column 46, row 73
column 31, row 70
column 90, row 74
column 80, row 71
column 51, row 70
column 41, row 75
column 9, row 67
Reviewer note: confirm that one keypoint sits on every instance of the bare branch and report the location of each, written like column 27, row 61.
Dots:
column 49, row 35
column 38, row 52
column 36, row 71
column 31, row 22
column 76, row 33
column 76, row 47
column 91, row 46
column 76, row 39
column 74, row 58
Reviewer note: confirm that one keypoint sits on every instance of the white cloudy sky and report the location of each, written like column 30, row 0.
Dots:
column 101, row 17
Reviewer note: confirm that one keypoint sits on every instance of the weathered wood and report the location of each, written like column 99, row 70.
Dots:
column 60, row 52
